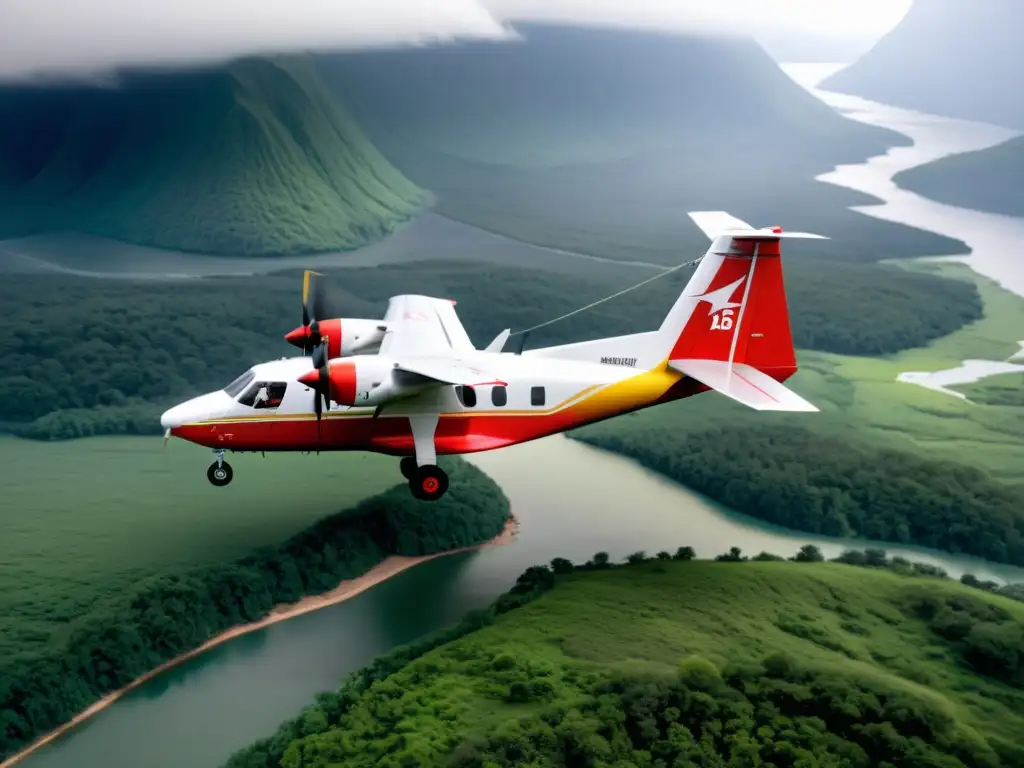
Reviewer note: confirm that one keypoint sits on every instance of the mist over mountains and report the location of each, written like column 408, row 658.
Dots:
column 595, row 139
column 948, row 57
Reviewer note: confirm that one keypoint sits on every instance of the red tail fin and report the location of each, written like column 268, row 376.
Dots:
column 742, row 316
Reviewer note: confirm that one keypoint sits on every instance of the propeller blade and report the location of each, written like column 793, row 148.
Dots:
column 320, row 308
column 310, row 314
column 319, row 356
column 167, row 436
column 305, row 295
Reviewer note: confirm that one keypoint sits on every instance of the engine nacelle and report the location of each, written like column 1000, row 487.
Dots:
column 345, row 336
column 367, row 381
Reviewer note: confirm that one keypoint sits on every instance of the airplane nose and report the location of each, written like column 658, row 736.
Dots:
column 171, row 418
column 207, row 406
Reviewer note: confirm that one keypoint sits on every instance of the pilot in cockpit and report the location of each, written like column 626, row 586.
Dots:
column 263, row 396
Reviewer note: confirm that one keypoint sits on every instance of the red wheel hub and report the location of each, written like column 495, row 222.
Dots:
column 430, row 484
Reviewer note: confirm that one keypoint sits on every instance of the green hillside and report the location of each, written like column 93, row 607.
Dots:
column 600, row 140
column 988, row 180
column 689, row 663
column 252, row 159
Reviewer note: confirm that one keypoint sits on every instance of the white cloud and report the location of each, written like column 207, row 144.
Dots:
column 76, row 36
column 833, row 18
column 89, row 36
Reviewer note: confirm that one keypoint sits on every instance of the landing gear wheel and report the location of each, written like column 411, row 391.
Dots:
column 408, row 467
column 429, row 483
column 219, row 474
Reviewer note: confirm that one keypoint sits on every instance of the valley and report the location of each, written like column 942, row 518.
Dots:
column 862, row 316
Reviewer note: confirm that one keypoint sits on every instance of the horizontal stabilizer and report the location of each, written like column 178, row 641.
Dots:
column 448, row 372
column 715, row 224
column 744, row 384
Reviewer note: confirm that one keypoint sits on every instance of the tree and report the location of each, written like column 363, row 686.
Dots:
column 808, row 554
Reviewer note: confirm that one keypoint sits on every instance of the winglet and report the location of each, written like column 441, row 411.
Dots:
column 499, row 341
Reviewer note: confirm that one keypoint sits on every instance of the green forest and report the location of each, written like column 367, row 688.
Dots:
column 986, row 180
column 45, row 681
column 254, row 158
column 832, row 485
column 668, row 661
column 85, row 357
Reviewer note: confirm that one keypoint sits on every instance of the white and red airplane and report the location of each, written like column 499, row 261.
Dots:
column 428, row 391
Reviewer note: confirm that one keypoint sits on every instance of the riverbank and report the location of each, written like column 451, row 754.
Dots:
column 390, row 567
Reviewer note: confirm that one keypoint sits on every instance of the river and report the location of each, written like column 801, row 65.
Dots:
column 197, row 714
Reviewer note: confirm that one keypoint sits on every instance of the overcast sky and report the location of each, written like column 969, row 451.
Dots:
column 75, row 35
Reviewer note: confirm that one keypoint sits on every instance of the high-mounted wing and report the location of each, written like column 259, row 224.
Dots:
column 423, row 326
column 447, row 372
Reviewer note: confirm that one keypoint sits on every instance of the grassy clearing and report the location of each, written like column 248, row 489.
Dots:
column 83, row 520
column 1004, row 389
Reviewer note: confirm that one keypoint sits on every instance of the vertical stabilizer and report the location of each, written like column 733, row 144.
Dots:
column 732, row 319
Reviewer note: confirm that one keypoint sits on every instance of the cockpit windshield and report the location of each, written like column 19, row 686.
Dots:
column 236, row 386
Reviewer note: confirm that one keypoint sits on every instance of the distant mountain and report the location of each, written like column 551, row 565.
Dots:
column 949, row 57
column 989, row 180
column 253, row 158
column 600, row 140
column 794, row 46
column 571, row 94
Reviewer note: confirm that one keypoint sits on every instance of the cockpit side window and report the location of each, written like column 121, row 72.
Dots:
column 264, row 394
column 238, row 384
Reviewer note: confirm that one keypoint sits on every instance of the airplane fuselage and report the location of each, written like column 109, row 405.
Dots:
column 540, row 396
column 429, row 391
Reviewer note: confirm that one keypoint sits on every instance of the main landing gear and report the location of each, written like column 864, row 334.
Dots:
column 427, row 483
column 219, row 473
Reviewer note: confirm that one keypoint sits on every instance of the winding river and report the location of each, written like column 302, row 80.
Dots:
column 197, row 714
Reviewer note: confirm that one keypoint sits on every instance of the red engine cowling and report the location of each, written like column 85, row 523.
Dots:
column 363, row 381
column 345, row 336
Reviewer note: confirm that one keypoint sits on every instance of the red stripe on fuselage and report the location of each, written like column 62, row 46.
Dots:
column 392, row 434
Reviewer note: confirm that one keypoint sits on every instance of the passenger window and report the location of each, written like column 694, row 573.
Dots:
column 499, row 396
column 264, row 394
column 536, row 395
column 466, row 395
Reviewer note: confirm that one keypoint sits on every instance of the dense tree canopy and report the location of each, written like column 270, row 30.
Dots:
column 812, row 482
column 495, row 689
column 165, row 616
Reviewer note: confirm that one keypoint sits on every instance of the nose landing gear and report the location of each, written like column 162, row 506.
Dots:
column 219, row 473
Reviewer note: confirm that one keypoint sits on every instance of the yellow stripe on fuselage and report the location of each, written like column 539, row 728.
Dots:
column 590, row 403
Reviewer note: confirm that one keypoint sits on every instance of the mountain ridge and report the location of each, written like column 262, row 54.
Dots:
column 943, row 60
column 253, row 158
